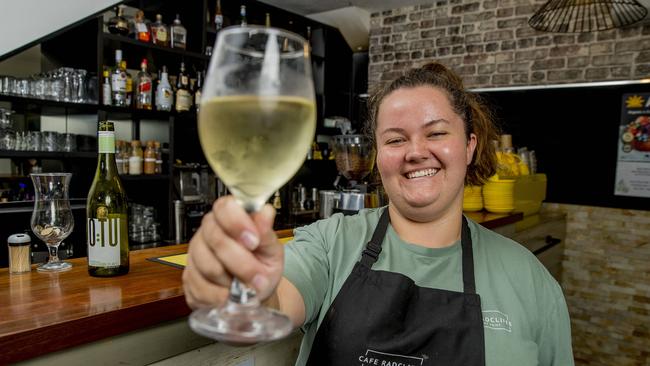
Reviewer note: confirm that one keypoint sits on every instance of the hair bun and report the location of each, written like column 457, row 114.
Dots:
column 442, row 70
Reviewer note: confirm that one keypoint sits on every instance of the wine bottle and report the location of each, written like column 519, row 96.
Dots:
column 106, row 212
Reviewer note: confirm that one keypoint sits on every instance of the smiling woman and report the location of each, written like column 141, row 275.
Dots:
column 415, row 282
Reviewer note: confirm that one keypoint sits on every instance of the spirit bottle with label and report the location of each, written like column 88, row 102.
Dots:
column 118, row 82
column 160, row 32
column 164, row 93
column 183, row 93
column 143, row 98
column 179, row 34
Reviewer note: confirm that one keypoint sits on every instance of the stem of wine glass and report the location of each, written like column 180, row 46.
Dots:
column 54, row 253
column 240, row 293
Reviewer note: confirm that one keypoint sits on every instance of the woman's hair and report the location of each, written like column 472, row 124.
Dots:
column 475, row 114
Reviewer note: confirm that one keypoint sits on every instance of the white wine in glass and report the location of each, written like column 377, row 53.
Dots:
column 256, row 124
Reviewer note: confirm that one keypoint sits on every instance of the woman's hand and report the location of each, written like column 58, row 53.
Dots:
column 230, row 243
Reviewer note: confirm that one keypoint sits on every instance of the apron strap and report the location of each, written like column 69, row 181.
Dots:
column 469, row 286
column 373, row 248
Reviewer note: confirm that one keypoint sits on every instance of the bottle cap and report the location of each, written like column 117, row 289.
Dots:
column 17, row 240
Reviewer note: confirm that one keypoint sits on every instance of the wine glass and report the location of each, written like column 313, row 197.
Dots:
column 256, row 125
column 52, row 219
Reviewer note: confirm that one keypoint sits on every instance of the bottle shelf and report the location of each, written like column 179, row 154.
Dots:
column 145, row 177
column 47, row 106
column 47, row 155
column 119, row 112
column 177, row 51
column 53, row 107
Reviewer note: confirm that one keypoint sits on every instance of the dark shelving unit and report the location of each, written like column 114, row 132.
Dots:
column 12, row 154
column 86, row 45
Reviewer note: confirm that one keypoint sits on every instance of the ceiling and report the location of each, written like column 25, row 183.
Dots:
column 308, row 7
column 352, row 17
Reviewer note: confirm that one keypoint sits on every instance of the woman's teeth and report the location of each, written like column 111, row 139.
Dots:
column 421, row 173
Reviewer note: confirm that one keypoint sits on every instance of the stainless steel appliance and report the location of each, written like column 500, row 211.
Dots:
column 196, row 186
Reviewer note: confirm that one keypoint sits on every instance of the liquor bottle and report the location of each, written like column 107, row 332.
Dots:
column 183, row 93
column 218, row 17
column 142, row 32
column 118, row 24
column 143, row 99
column 198, row 90
column 179, row 34
column 160, row 32
column 106, row 212
column 164, row 93
column 118, row 82
column 106, row 89
column 129, row 85
column 267, row 20
column 242, row 16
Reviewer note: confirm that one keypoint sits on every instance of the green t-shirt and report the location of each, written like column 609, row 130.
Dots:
column 525, row 317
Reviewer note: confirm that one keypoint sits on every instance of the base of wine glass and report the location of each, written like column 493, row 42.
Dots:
column 240, row 324
column 54, row 267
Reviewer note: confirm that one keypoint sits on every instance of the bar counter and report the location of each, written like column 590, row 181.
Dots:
column 42, row 313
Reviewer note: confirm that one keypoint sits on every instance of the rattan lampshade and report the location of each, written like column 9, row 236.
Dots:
column 577, row 16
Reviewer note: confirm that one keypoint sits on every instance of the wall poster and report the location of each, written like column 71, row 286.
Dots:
column 633, row 162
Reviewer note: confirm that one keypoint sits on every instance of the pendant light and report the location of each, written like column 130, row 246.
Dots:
column 577, row 16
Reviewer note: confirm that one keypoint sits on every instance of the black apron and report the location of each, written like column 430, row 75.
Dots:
column 382, row 318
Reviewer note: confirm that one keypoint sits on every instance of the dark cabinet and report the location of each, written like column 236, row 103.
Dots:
column 87, row 45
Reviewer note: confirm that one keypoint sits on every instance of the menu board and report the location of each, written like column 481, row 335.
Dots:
column 633, row 162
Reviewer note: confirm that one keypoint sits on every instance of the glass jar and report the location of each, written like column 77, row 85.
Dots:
column 150, row 159
column 136, row 158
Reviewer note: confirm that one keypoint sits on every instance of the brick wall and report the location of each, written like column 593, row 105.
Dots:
column 489, row 43
column 606, row 281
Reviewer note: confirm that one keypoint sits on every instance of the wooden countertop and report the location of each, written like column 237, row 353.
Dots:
column 42, row 313
column 494, row 220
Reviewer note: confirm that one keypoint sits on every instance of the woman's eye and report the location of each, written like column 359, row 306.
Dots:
column 437, row 134
column 393, row 141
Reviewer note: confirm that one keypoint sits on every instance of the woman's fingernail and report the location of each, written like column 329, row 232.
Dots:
column 260, row 282
column 250, row 240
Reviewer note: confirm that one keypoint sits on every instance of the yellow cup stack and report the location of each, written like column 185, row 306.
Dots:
column 499, row 195
column 472, row 198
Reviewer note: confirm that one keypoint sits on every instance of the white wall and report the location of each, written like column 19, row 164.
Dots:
column 23, row 21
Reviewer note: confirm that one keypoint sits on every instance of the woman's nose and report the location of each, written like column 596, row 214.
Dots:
column 416, row 151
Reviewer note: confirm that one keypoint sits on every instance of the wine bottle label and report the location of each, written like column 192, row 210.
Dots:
column 106, row 142
column 103, row 237
column 141, row 27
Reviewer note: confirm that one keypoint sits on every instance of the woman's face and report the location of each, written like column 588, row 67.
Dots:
column 422, row 152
